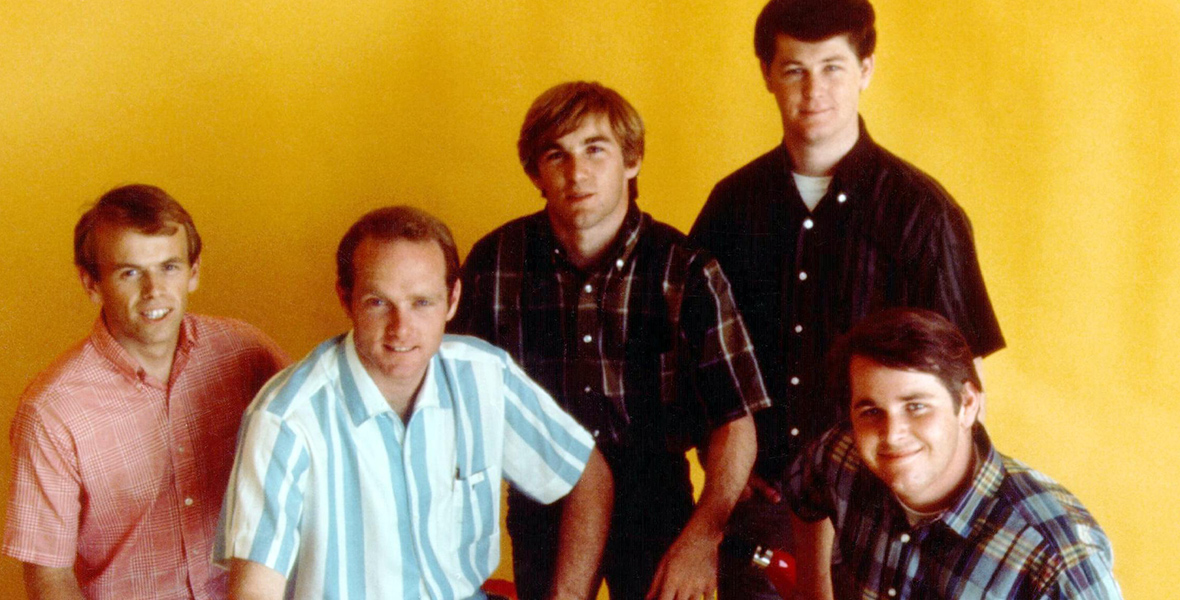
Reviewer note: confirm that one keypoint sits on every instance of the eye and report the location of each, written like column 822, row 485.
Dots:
column 172, row 267
column 127, row 274
column 423, row 303
column 916, row 407
column 552, row 156
column 371, row 302
column 833, row 67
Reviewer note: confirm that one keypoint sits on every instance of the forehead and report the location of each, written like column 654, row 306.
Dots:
column 417, row 263
column 115, row 244
column 870, row 381
column 789, row 49
column 591, row 126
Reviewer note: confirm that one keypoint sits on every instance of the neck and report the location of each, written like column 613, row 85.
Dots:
column 585, row 247
column 400, row 399
column 155, row 359
column 820, row 159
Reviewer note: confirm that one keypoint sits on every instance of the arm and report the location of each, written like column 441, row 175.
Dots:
column 51, row 583
column 585, row 521
column 689, row 568
column 249, row 580
column 813, row 551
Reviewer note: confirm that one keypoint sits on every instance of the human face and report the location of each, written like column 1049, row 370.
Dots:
column 909, row 434
column 583, row 178
column 143, row 287
column 817, row 86
column 399, row 309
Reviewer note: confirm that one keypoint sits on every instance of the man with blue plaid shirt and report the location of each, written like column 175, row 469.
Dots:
column 923, row 506
column 634, row 332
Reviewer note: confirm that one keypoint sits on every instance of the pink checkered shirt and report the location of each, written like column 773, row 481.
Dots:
column 121, row 475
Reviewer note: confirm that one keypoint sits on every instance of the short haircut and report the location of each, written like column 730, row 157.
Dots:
column 144, row 208
column 562, row 108
column 814, row 21
column 395, row 223
column 909, row 339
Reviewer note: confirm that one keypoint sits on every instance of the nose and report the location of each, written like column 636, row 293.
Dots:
column 895, row 429
column 397, row 323
column 578, row 168
column 149, row 284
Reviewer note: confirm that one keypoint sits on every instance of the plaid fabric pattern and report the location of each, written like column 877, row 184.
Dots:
column 121, row 475
column 1014, row 534
column 646, row 349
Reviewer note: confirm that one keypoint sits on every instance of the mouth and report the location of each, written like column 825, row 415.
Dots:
column 400, row 349
column 578, row 196
column 896, row 455
column 155, row 314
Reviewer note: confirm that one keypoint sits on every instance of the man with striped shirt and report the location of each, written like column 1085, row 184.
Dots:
column 923, row 504
column 372, row 468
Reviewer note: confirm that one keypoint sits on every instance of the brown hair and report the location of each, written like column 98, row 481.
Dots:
column 144, row 208
column 562, row 108
column 814, row 21
column 395, row 223
column 911, row 339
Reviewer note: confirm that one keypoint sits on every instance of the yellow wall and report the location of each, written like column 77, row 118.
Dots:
column 1055, row 124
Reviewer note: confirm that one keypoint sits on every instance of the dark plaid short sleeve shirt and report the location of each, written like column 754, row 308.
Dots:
column 645, row 349
column 1014, row 534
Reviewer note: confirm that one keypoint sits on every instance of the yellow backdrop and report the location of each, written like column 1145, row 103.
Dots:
column 277, row 123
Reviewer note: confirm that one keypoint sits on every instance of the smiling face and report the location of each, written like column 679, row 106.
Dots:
column 817, row 86
column 143, row 287
column 399, row 307
column 909, row 433
column 583, row 178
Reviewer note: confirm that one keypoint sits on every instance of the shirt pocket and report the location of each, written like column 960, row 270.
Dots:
column 475, row 515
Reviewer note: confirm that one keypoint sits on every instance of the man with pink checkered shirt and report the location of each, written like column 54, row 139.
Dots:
column 121, row 449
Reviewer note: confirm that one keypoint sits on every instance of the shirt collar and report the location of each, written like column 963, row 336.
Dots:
column 617, row 254
column 849, row 175
column 114, row 353
column 972, row 508
column 364, row 400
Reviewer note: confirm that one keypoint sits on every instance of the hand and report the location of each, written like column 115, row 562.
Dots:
column 688, row 570
column 759, row 486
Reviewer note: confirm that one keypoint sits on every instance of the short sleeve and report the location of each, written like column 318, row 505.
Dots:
column 263, row 504
column 545, row 450
column 44, row 502
column 810, row 482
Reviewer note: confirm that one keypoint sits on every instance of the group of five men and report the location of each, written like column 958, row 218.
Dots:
column 600, row 346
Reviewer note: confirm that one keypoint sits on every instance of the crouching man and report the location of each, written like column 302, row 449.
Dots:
column 923, row 505
column 372, row 468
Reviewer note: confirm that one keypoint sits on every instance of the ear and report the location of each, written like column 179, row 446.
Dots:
column 345, row 300
column 633, row 171
column 91, row 285
column 866, row 71
column 971, row 399
column 194, row 276
column 454, row 303
column 765, row 67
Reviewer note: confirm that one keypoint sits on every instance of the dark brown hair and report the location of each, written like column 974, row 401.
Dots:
column 814, row 21
column 144, row 208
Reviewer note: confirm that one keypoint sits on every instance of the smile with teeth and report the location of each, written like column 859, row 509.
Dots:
column 155, row 314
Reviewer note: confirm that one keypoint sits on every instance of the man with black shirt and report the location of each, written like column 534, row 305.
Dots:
column 821, row 231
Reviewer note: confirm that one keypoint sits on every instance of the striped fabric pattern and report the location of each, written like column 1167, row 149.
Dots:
column 1014, row 534
column 332, row 490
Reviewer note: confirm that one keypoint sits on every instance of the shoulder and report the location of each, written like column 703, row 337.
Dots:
column 73, row 373
column 754, row 174
column 231, row 333
column 470, row 349
column 902, row 186
column 1069, row 535
column 293, row 388
column 483, row 254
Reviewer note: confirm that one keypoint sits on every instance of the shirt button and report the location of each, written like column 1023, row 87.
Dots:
column 808, row 224
column 589, row 288
column 586, row 389
column 841, row 198
column 892, row 592
column 188, row 501
column 180, row 449
column 587, row 338
column 794, row 432
column 794, row 381
column 905, row 538
column 802, row 275
column 798, row 329
column 619, row 263
column 595, row 433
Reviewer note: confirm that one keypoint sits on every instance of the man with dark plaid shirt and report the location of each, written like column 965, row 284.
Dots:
column 923, row 504
column 634, row 332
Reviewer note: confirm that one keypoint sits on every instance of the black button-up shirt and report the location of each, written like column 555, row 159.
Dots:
column 884, row 235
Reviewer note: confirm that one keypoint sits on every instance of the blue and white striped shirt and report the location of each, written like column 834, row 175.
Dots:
column 332, row 490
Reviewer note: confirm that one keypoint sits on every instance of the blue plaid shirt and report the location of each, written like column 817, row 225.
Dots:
column 1015, row 533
